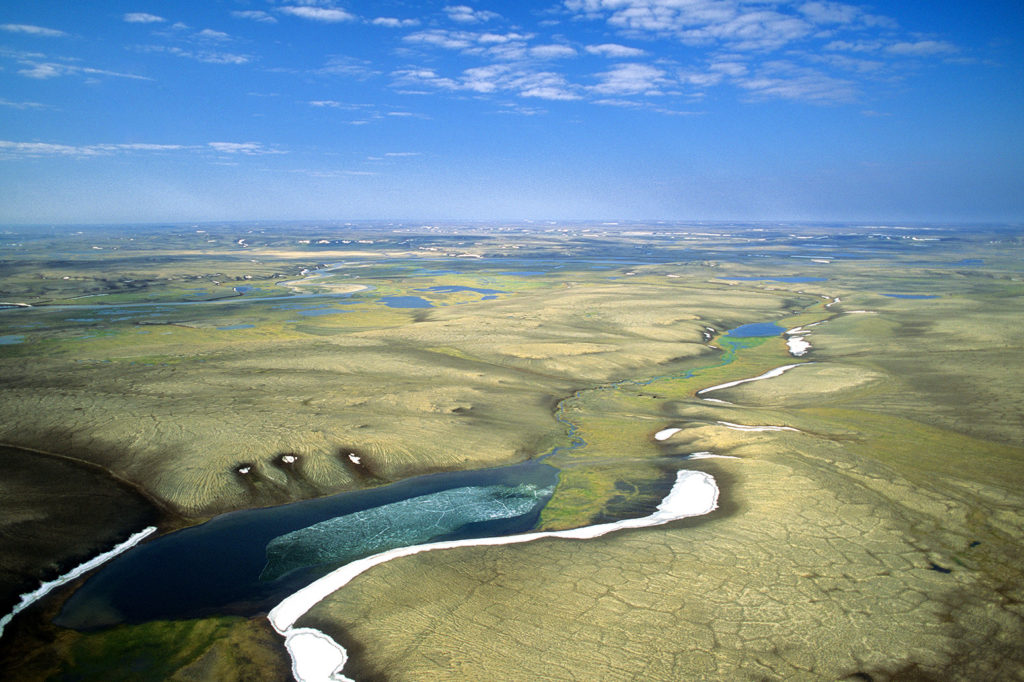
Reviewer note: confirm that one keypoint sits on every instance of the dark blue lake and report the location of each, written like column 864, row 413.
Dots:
column 755, row 329
column 222, row 566
column 911, row 296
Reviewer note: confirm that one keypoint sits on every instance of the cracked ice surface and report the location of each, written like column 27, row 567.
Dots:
column 399, row 524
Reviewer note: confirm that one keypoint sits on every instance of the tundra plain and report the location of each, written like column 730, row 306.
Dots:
column 870, row 505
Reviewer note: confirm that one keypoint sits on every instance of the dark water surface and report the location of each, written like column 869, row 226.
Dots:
column 216, row 567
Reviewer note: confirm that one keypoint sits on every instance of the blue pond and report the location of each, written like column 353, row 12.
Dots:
column 236, row 326
column 747, row 331
column 405, row 302
column 11, row 339
column 911, row 296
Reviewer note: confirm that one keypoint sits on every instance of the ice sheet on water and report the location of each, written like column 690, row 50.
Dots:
column 408, row 522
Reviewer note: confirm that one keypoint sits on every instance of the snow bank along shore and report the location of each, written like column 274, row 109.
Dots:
column 30, row 598
column 318, row 658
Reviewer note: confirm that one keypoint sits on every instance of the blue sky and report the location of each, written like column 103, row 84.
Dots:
column 806, row 110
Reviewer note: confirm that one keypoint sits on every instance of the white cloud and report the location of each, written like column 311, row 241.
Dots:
column 35, row 149
column 392, row 22
column 32, row 30
column 830, row 12
column 739, row 25
column 842, row 14
column 142, row 18
column 10, row 149
column 467, row 15
column 631, row 79
column 210, row 34
column 349, row 67
column 44, row 70
column 552, row 51
column 255, row 15
column 403, row 154
column 247, row 148
column 922, row 48
column 205, row 56
column 497, row 46
column 450, row 40
column 22, row 105
column 785, row 80
column 614, row 50
column 328, row 15
column 854, row 46
column 853, row 64
column 494, row 78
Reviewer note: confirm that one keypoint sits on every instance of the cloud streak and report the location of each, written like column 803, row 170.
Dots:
column 464, row 14
column 254, row 15
column 143, row 18
column 30, row 29
column 329, row 15
column 46, row 70
column 11, row 149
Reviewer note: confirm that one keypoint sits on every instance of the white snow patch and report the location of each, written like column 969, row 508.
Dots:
column 354, row 458
column 44, row 589
column 778, row 371
column 798, row 345
column 320, row 660
column 664, row 434
column 708, row 455
column 744, row 427
column 288, row 459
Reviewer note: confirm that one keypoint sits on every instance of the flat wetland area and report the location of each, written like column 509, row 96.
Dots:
column 871, row 503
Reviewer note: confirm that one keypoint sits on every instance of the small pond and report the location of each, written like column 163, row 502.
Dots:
column 755, row 329
column 405, row 302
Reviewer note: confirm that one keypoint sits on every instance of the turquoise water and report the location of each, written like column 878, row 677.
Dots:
column 245, row 562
